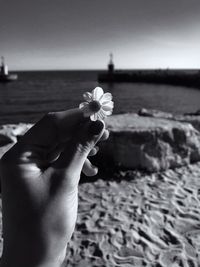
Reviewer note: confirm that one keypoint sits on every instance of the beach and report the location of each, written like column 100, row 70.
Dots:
column 139, row 220
column 142, row 208
column 135, row 217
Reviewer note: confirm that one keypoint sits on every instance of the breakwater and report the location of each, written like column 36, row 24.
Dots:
column 170, row 77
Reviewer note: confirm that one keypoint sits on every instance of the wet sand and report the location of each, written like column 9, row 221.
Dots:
column 144, row 220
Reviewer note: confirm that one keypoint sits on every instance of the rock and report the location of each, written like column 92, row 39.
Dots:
column 13, row 131
column 194, row 113
column 137, row 142
column 154, row 113
column 193, row 118
column 152, row 144
column 5, row 140
column 10, row 133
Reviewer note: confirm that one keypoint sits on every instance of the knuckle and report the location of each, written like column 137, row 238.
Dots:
column 50, row 116
column 49, row 121
column 83, row 148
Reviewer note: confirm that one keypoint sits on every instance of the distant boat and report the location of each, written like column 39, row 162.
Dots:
column 4, row 74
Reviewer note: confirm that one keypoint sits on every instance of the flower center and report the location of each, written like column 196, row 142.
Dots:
column 94, row 106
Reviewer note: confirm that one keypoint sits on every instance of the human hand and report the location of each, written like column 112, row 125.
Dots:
column 40, row 176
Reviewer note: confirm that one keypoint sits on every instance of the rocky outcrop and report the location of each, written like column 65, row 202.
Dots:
column 193, row 118
column 152, row 144
column 5, row 140
column 155, row 113
column 10, row 133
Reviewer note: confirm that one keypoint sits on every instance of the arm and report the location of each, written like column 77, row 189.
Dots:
column 40, row 176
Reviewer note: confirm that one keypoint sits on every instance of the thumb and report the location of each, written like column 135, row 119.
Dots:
column 74, row 155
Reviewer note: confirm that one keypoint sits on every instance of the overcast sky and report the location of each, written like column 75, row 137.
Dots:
column 80, row 34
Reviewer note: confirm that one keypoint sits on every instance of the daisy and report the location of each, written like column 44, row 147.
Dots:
column 98, row 105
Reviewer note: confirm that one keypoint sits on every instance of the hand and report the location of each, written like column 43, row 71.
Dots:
column 40, row 176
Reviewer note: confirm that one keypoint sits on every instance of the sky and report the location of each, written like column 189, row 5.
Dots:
column 80, row 34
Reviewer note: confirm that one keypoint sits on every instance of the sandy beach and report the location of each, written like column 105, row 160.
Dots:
column 142, row 209
column 132, row 218
column 139, row 220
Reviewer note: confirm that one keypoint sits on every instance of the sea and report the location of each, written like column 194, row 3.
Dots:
column 37, row 92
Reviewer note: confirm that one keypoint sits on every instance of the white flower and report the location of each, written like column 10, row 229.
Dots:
column 98, row 105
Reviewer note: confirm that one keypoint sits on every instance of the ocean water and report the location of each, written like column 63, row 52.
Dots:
column 36, row 93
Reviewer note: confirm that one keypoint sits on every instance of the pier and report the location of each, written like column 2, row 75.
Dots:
column 178, row 77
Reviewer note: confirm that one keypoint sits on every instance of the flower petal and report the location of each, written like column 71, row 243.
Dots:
column 106, row 97
column 107, row 108
column 93, row 117
column 97, row 96
column 87, row 96
column 97, row 93
column 108, row 113
column 101, row 115
column 108, row 104
column 83, row 104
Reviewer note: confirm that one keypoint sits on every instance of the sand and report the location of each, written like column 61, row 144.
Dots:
column 143, row 220
column 138, row 219
column 134, row 219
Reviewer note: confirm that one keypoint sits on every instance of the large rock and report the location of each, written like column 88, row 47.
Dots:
column 152, row 144
column 136, row 142
column 5, row 140
column 193, row 118
column 155, row 113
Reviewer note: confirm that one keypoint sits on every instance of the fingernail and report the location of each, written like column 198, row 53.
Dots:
column 96, row 127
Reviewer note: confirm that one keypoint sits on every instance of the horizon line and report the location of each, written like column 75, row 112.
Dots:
column 102, row 69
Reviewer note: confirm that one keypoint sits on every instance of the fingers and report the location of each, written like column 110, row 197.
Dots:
column 93, row 151
column 105, row 135
column 75, row 154
column 69, row 165
column 54, row 128
column 89, row 169
column 45, row 157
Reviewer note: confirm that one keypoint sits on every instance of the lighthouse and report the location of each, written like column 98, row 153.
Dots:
column 4, row 75
column 109, row 75
column 4, row 68
column 111, row 66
